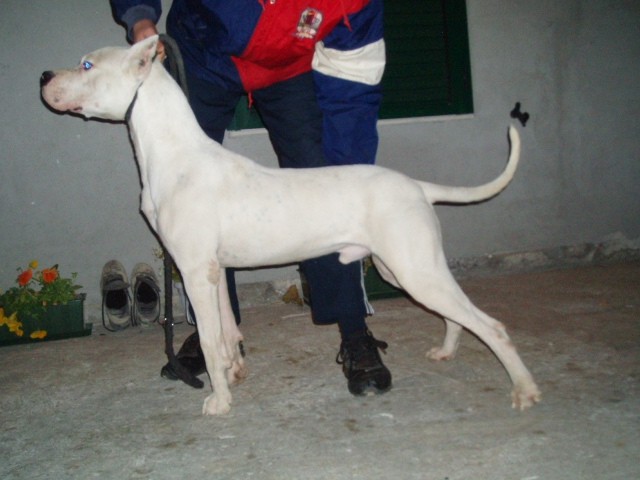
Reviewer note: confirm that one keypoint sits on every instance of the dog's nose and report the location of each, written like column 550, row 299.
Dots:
column 46, row 77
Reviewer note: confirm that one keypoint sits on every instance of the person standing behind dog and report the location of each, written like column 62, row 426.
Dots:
column 313, row 70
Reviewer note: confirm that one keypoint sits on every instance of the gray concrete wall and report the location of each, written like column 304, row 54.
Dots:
column 70, row 191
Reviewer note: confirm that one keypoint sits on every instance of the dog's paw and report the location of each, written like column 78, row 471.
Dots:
column 525, row 397
column 440, row 354
column 216, row 406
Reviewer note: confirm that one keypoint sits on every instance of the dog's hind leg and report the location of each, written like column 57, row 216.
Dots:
column 203, row 292
column 453, row 331
column 431, row 283
column 450, row 344
column 525, row 392
column 445, row 296
column 384, row 271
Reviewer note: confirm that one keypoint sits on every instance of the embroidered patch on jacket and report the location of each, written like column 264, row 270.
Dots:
column 309, row 23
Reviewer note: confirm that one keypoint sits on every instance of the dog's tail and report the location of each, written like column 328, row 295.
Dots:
column 446, row 194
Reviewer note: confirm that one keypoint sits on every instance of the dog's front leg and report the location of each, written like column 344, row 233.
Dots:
column 204, row 295
column 232, row 335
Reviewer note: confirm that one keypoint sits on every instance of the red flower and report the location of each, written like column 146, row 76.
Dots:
column 49, row 275
column 25, row 277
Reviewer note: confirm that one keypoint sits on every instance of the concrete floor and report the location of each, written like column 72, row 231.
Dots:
column 96, row 407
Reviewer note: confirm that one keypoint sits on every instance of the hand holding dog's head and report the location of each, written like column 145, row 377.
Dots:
column 78, row 90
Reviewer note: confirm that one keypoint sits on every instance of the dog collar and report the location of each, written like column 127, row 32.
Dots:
column 127, row 115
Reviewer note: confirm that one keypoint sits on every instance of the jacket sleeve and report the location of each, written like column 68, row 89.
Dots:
column 348, row 66
column 129, row 12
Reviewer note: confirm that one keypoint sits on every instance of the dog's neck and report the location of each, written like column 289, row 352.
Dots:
column 151, row 117
column 154, row 132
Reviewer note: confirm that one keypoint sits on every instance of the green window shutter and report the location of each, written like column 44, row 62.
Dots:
column 428, row 70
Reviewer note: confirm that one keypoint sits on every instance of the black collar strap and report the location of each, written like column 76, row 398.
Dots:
column 127, row 115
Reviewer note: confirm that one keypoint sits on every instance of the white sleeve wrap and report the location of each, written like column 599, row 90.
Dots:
column 362, row 65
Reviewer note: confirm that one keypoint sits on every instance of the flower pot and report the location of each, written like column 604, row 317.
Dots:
column 59, row 321
column 376, row 287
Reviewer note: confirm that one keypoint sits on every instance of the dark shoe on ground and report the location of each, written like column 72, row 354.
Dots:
column 146, row 295
column 190, row 356
column 116, row 306
column 362, row 365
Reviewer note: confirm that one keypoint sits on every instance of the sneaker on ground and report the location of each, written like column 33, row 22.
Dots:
column 362, row 365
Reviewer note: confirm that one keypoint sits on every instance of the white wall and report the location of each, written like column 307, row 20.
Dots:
column 69, row 192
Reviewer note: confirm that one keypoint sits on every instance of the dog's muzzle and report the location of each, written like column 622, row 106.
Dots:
column 46, row 77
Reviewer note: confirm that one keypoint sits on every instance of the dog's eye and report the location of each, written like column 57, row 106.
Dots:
column 86, row 65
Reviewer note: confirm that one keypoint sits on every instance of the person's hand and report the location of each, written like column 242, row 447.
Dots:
column 145, row 29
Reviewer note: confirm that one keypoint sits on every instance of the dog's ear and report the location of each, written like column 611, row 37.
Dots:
column 141, row 57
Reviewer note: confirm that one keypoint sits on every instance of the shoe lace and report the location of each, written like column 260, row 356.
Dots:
column 361, row 350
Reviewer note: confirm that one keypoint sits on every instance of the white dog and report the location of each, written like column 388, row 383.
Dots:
column 214, row 209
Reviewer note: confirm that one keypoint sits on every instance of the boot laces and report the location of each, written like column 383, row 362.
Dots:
column 361, row 352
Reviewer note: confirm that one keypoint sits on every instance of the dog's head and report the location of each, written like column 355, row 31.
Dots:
column 104, row 84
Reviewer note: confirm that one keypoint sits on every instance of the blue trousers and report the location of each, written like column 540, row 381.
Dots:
column 290, row 112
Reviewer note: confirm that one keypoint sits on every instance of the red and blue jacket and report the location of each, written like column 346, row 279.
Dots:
column 250, row 44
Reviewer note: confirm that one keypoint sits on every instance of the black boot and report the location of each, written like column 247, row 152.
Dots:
column 190, row 356
column 362, row 365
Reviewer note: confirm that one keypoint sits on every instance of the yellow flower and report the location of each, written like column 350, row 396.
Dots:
column 34, row 264
column 40, row 334
column 12, row 322
column 4, row 320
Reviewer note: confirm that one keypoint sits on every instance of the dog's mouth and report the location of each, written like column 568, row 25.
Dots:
column 56, row 100
column 66, row 106
column 60, row 106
